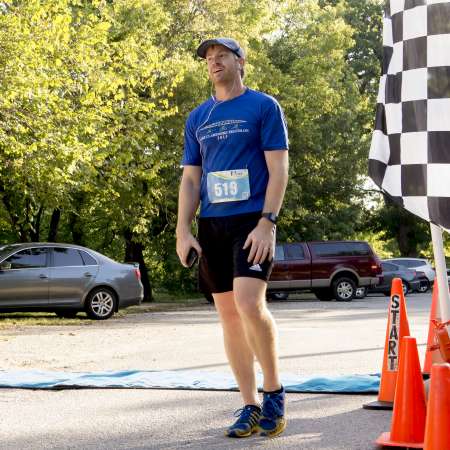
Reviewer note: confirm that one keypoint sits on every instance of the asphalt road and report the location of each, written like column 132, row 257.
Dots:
column 315, row 338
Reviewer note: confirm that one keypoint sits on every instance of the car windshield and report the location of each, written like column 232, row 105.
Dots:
column 6, row 249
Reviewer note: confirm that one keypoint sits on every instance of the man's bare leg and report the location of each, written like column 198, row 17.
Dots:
column 239, row 353
column 259, row 327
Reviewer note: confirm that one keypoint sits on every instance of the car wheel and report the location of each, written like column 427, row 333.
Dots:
column 324, row 294
column 344, row 289
column 406, row 288
column 66, row 314
column 100, row 304
column 361, row 292
column 278, row 295
column 424, row 286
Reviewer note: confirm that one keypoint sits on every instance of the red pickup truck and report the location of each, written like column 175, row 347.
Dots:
column 330, row 269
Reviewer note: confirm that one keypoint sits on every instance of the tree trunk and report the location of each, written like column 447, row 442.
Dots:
column 75, row 229
column 134, row 253
column 54, row 223
column 411, row 233
column 405, row 245
column 35, row 226
column 16, row 226
column 75, row 225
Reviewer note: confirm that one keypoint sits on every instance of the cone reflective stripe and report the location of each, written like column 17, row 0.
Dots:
column 433, row 355
column 437, row 433
column 409, row 415
column 397, row 327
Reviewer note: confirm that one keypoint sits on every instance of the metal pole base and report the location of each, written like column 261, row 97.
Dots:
column 379, row 405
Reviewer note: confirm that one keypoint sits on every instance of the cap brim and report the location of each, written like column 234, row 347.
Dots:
column 201, row 51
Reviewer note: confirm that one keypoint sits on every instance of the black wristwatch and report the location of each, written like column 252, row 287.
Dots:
column 272, row 217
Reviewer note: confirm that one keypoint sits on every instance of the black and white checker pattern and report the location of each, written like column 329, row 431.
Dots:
column 410, row 153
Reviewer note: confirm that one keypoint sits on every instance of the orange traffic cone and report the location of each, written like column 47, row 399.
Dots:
column 408, row 417
column 433, row 355
column 397, row 327
column 437, row 435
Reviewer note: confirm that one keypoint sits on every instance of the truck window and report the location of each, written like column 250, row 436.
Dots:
column 330, row 249
column 279, row 253
column 294, row 251
column 327, row 249
column 360, row 249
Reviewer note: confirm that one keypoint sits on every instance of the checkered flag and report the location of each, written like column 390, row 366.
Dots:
column 410, row 153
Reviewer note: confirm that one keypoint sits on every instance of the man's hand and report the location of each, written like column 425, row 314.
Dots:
column 261, row 241
column 186, row 241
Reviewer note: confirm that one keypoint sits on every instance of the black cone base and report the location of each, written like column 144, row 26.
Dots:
column 379, row 405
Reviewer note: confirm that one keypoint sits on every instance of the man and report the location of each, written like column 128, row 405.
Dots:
column 235, row 164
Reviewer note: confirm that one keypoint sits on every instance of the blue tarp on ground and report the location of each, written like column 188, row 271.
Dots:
column 172, row 379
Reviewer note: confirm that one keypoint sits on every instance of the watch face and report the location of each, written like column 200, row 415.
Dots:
column 270, row 216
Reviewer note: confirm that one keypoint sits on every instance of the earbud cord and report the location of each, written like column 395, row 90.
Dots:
column 215, row 104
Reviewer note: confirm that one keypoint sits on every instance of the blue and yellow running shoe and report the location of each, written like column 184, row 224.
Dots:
column 247, row 423
column 272, row 421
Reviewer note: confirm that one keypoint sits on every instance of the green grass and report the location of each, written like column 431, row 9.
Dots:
column 163, row 302
column 27, row 319
column 161, row 296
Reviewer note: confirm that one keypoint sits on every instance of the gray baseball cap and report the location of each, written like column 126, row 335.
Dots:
column 229, row 43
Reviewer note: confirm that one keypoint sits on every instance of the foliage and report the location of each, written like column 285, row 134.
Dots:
column 411, row 234
column 320, row 94
column 94, row 95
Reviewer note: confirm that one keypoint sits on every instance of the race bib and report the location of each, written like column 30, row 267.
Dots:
column 228, row 186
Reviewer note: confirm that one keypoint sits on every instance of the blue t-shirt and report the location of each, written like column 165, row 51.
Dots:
column 232, row 135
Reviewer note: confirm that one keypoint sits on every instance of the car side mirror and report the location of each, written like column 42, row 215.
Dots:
column 5, row 265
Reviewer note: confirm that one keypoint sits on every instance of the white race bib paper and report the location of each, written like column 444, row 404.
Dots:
column 228, row 186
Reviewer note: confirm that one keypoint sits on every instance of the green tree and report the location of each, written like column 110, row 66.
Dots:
column 94, row 95
column 248, row 21
column 80, row 118
column 51, row 120
column 411, row 234
column 320, row 95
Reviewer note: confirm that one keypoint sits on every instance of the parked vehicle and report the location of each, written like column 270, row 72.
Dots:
column 65, row 279
column 410, row 278
column 361, row 291
column 424, row 284
column 330, row 269
column 419, row 264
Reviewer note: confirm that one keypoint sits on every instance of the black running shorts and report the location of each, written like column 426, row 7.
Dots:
column 223, row 257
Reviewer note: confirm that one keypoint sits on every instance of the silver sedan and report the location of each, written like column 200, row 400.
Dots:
column 65, row 279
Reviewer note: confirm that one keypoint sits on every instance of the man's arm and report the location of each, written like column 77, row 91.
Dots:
column 262, row 237
column 188, row 201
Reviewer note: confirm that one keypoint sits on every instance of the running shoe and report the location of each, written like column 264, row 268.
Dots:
column 272, row 421
column 247, row 422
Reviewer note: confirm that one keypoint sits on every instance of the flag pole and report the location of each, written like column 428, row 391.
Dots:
column 441, row 272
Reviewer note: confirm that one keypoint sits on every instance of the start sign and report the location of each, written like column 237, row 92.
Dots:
column 393, row 334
